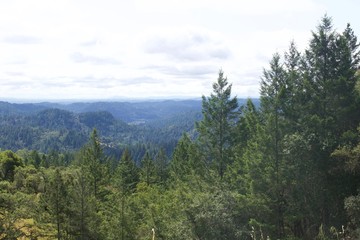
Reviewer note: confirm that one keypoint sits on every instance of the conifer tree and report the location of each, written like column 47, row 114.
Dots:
column 161, row 166
column 216, row 128
column 332, row 108
column 180, row 165
column 94, row 160
column 83, row 216
column 186, row 159
column 127, row 173
column 56, row 201
column 126, row 177
column 147, row 171
column 247, row 133
column 272, row 90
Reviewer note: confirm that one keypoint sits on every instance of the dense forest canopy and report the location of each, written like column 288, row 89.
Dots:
column 287, row 168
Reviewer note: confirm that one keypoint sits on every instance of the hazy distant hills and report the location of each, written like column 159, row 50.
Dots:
column 135, row 111
column 23, row 108
column 128, row 112
column 55, row 126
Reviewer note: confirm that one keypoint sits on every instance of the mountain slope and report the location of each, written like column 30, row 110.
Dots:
column 66, row 127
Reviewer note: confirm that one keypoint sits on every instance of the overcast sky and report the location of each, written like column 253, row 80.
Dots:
column 113, row 49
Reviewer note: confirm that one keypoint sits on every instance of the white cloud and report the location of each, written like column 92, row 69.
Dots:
column 241, row 7
column 101, row 49
column 81, row 58
column 186, row 45
column 21, row 39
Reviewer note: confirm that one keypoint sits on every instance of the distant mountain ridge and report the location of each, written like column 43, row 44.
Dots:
column 66, row 127
column 128, row 112
column 137, row 111
column 7, row 108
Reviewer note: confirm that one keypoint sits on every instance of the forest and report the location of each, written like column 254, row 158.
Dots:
column 286, row 167
column 65, row 128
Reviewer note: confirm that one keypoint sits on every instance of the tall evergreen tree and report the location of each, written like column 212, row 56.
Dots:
column 147, row 170
column 220, row 113
column 331, row 63
column 293, row 94
column 126, row 177
column 273, row 92
column 247, row 131
column 94, row 162
column 186, row 159
column 83, row 216
column 346, row 103
column 56, row 202
column 247, row 124
column 126, row 174
column 161, row 166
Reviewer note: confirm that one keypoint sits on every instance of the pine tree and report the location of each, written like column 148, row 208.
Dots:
column 56, row 201
column 94, row 162
column 126, row 177
column 147, row 170
column 83, row 216
column 161, row 166
column 216, row 129
column 247, row 130
column 180, row 165
column 308, row 108
column 126, row 174
column 273, row 92
column 186, row 159
column 294, row 97
column 332, row 108
column 247, row 125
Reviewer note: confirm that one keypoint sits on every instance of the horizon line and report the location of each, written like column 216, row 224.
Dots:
column 89, row 100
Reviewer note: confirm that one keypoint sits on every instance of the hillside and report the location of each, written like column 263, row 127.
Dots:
column 66, row 127
column 132, row 112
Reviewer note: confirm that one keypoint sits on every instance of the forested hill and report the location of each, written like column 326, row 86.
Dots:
column 66, row 127
column 138, row 112
column 7, row 108
column 126, row 111
column 133, row 112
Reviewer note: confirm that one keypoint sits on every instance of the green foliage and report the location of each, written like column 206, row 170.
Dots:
column 212, row 215
column 55, row 201
column 29, row 180
column 148, row 171
column 93, row 162
column 216, row 128
column 83, row 222
column 8, row 162
column 352, row 207
column 65, row 128
column 289, row 169
column 127, row 174
column 186, row 160
column 161, row 166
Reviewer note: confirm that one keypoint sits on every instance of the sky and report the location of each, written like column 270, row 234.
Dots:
column 158, row 49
